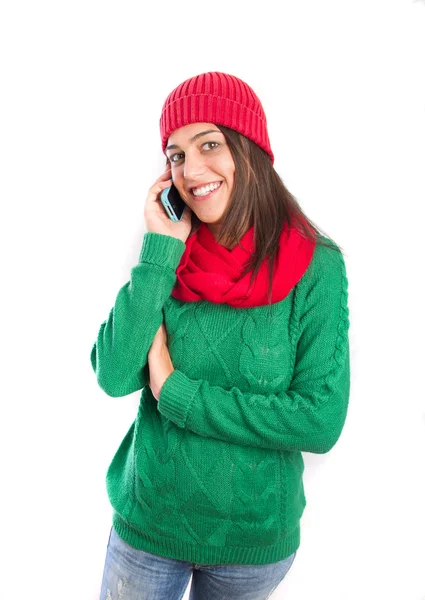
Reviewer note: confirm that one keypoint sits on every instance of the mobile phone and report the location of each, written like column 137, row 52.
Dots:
column 173, row 203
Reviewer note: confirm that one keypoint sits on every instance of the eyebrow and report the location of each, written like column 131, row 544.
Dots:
column 195, row 137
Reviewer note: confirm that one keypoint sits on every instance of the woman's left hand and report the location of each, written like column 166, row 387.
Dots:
column 159, row 360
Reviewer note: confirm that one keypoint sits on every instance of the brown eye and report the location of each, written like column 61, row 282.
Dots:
column 175, row 157
column 213, row 144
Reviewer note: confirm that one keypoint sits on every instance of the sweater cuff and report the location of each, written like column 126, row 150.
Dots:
column 161, row 250
column 176, row 397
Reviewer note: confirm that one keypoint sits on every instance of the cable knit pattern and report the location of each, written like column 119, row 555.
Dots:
column 212, row 473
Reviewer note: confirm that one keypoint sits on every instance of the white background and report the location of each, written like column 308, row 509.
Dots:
column 83, row 84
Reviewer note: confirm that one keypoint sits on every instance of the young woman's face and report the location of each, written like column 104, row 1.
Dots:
column 203, row 170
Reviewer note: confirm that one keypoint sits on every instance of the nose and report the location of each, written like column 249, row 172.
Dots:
column 194, row 165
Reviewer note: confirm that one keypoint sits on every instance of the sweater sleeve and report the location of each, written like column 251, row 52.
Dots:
column 120, row 353
column 310, row 415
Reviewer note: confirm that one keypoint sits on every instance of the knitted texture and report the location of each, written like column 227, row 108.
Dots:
column 209, row 271
column 212, row 473
column 216, row 98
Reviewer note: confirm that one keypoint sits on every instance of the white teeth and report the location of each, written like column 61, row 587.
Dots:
column 206, row 189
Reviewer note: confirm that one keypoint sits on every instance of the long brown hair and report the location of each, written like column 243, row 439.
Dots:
column 260, row 198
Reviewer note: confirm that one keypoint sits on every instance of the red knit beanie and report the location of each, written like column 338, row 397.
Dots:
column 216, row 98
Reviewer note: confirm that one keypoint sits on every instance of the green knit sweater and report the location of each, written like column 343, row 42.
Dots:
column 212, row 472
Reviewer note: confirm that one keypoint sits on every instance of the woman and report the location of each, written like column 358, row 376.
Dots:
column 235, row 326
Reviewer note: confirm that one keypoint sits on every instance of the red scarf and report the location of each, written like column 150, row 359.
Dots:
column 209, row 271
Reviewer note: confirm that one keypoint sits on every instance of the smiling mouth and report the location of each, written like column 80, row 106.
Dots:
column 206, row 190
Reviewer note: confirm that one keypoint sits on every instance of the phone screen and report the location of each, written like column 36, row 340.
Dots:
column 173, row 203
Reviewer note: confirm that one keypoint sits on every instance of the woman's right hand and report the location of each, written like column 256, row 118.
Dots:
column 157, row 220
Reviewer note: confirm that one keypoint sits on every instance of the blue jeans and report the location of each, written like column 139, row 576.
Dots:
column 132, row 574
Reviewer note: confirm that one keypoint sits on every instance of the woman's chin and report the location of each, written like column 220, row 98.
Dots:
column 208, row 220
